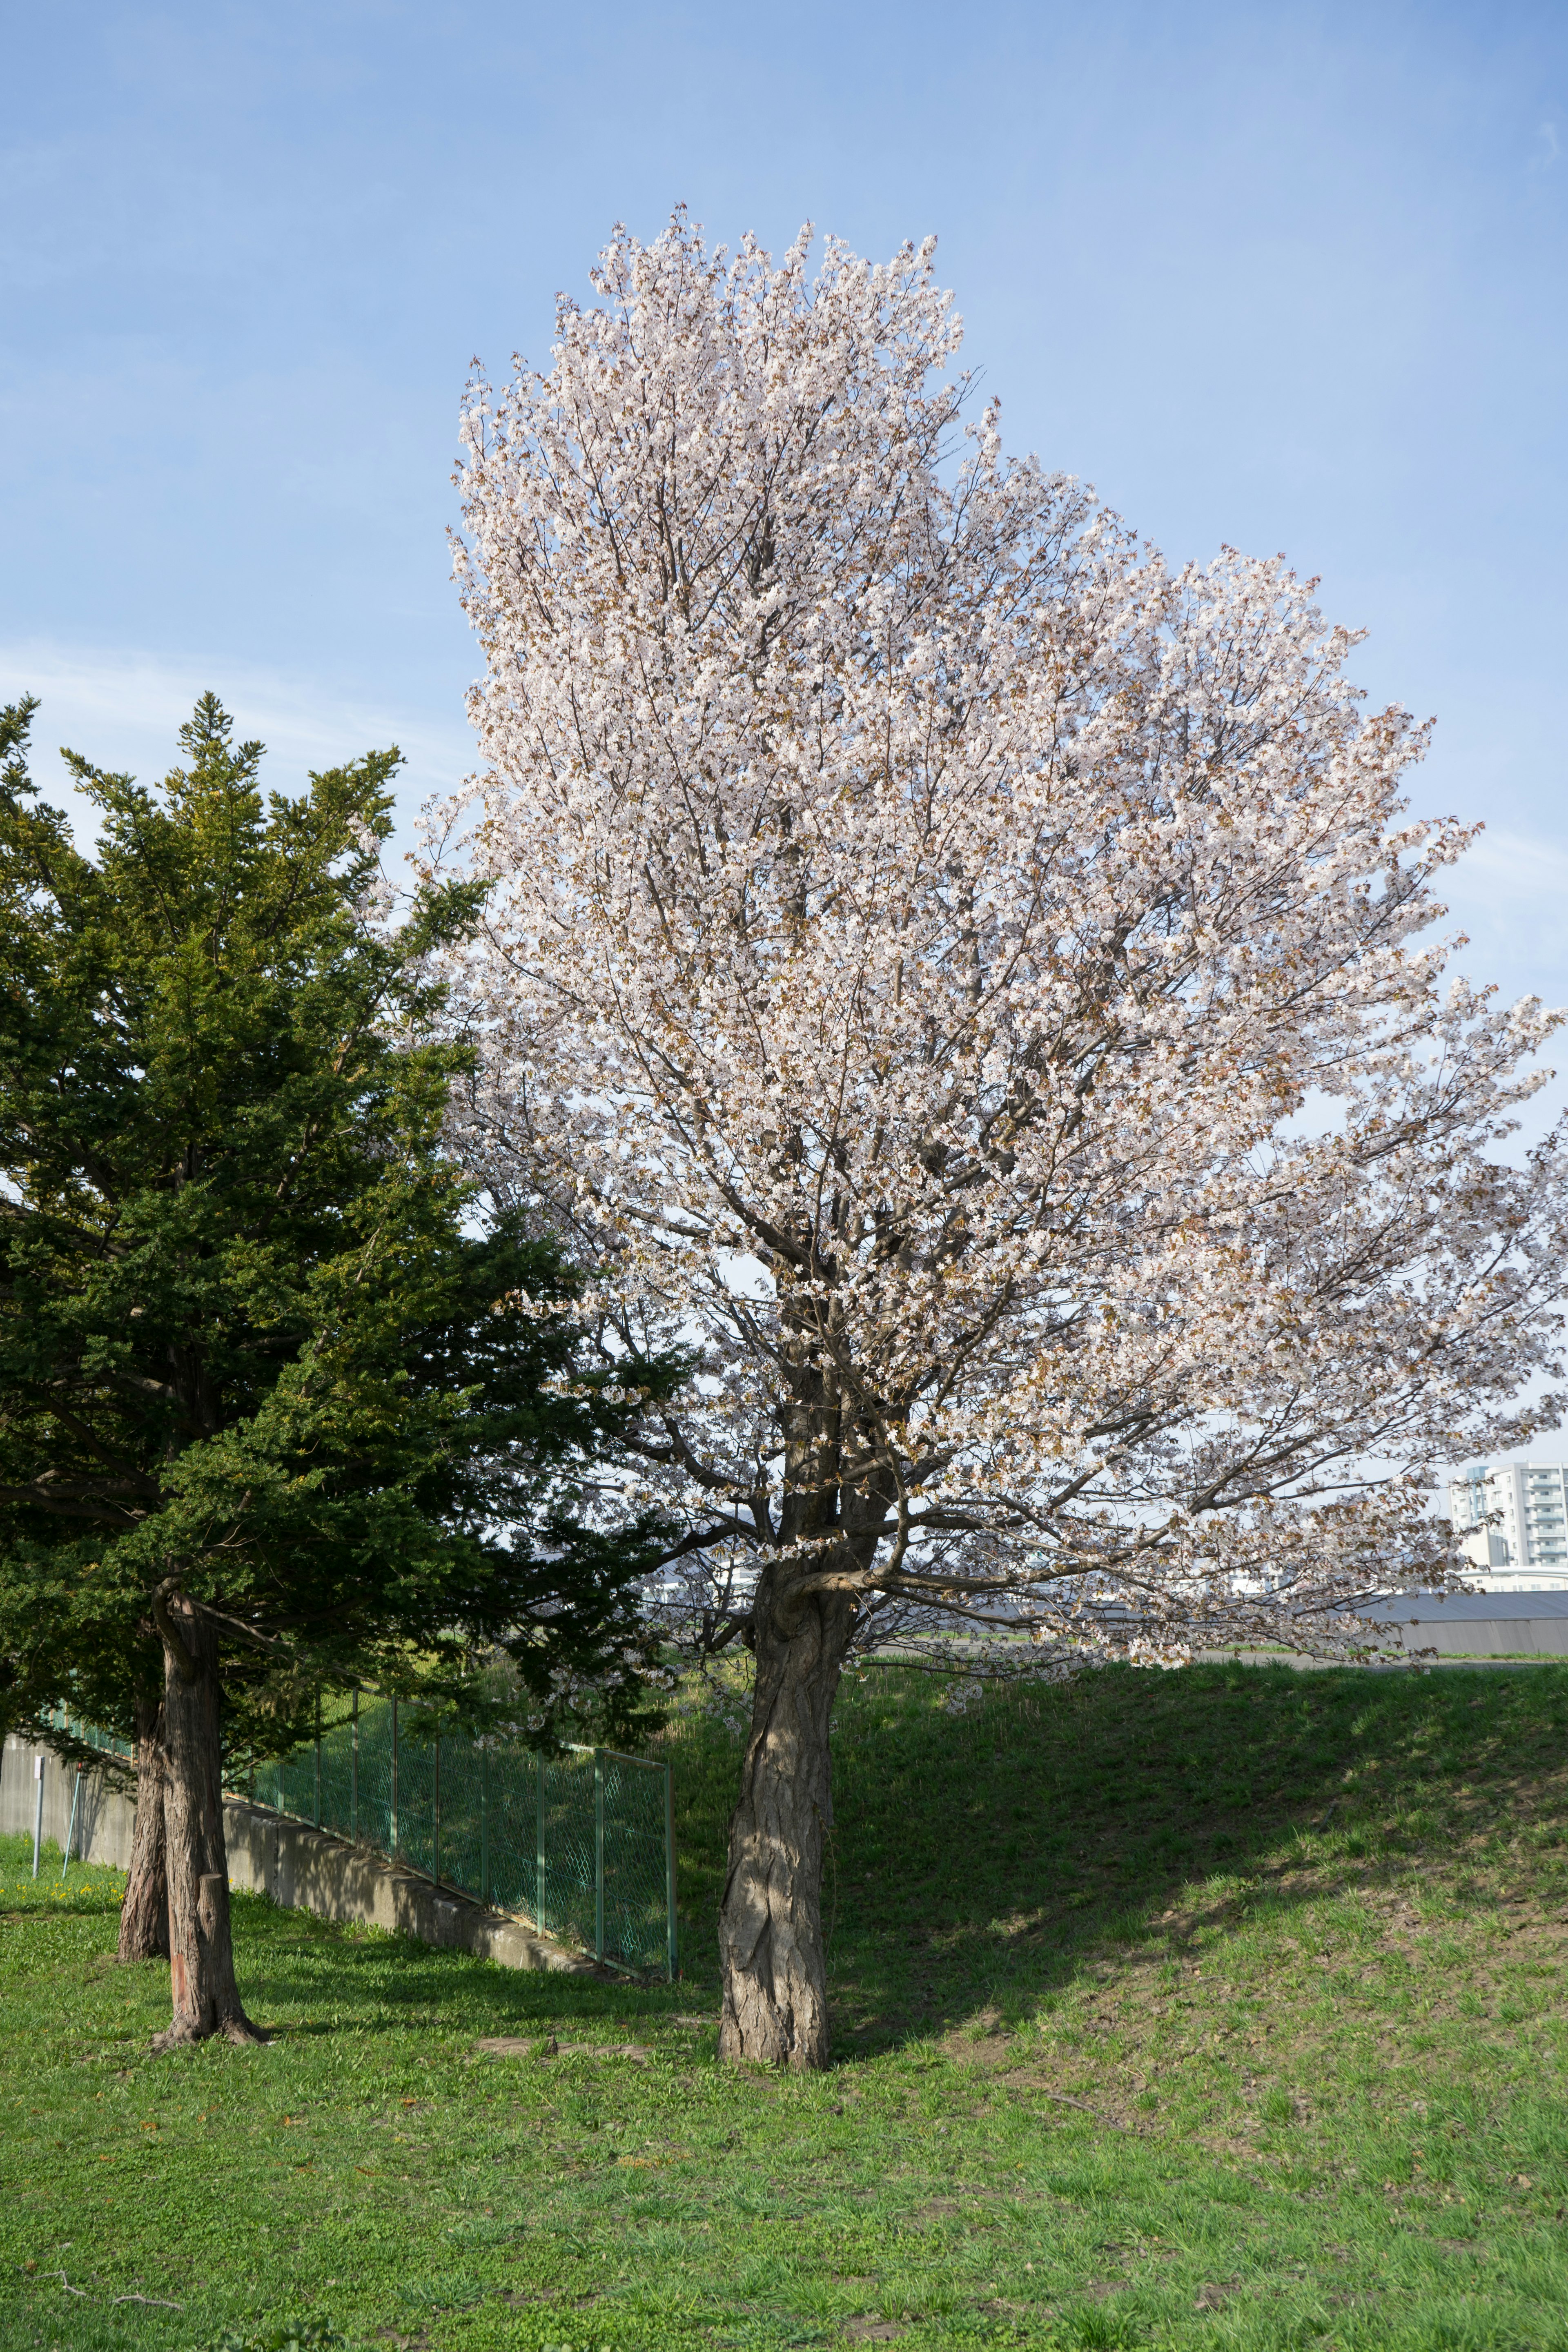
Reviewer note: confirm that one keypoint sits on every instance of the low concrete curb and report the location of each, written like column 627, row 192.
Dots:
column 301, row 1868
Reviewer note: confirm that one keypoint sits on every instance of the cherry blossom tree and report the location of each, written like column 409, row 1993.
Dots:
column 976, row 982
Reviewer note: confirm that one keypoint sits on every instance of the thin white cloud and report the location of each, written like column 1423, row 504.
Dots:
column 1509, row 896
column 1524, row 863
column 123, row 711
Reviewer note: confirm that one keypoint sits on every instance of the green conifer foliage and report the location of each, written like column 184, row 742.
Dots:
column 283, row 1399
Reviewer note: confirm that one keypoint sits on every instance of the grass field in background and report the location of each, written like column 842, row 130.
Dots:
column 1221, row 2007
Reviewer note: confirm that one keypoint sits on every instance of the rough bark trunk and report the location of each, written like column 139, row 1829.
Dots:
column 144, row 1914
column 770, row 1922
column 200, row 1949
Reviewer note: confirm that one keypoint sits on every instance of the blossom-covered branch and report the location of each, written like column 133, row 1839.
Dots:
column 975, row 981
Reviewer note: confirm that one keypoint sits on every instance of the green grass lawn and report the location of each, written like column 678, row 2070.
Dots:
column 1222, row 2008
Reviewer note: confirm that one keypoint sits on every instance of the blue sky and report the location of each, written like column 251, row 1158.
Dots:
column 1287, row 277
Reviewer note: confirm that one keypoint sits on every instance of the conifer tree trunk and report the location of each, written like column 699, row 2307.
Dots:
column 144, row 1913
column 770, row 1921
column 200, row 1950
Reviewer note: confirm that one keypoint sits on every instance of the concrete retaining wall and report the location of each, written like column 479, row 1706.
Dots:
column 300, row 1867
column 105, row 1818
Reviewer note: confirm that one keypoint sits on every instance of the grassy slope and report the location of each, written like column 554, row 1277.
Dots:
column 1224, row 2008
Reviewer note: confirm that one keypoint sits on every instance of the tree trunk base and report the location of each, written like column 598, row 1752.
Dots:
column 770, row 1920
column 207, row 2001
column 187, row 2032
column 204, row 1998
column 758, row 2029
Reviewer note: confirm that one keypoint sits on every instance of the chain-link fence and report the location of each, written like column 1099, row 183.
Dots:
column 108, row 1743
column 582, row 1844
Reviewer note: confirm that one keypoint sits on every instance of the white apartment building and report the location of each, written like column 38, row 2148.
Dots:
column 1527, row 1545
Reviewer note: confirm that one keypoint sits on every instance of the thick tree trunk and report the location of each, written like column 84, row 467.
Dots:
column 770, row 1922
column 144, row 1914
column 200, row 1949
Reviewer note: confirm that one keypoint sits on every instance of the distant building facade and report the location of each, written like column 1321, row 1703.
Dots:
column 1527, row 1543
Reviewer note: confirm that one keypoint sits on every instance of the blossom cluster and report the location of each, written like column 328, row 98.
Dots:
column 976, row 983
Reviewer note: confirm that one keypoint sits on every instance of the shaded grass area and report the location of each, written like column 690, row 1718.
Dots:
column 1221, row 2007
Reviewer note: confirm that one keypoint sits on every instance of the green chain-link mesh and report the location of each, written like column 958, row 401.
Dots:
column 579, row 1844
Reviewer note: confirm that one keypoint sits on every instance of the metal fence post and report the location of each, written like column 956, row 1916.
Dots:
column 318, row 1759
column 538, row 1841
column 598, row 1853
column 484, row 1826
column 436, row 1840
column 38, row 1816
column 354, row 1772
column 674, row 1956
column 395, row 1774
column 70, row 1834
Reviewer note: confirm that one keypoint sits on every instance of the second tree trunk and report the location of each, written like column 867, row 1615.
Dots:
column 770, row 1922
column 200, row 1949
column 144, row 1913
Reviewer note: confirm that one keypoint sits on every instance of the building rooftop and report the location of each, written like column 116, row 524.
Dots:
column 1547, row 1602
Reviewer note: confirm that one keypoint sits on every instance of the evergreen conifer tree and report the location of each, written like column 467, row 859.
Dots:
column 282, row 1396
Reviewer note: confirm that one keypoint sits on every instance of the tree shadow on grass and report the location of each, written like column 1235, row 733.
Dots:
column 297, row 1972
column 984, row 1863
column 986, row 1860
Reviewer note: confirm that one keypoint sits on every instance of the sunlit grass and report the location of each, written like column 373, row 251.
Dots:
column 1218, row 2008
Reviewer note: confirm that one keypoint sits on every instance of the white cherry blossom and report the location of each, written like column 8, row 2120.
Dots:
column 977, row 982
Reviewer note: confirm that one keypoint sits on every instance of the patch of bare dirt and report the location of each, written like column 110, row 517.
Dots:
column 515, row 2046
